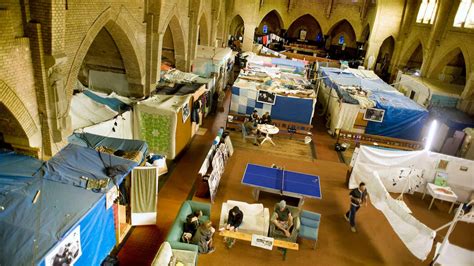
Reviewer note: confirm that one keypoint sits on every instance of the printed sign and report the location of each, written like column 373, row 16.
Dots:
column 110, row 197
column 262, row 242
column 67, row 252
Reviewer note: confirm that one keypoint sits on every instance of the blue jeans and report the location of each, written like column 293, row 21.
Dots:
column 351, row 214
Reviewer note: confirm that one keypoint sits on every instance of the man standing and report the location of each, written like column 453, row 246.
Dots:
column 358, row 196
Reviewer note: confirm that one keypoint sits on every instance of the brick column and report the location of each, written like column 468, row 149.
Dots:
column 437, row 31
column 249, row 33
column 42, row 94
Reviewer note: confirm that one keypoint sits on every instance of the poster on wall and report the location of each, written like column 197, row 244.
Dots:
column 303, row 34
column 186, row 112
column 67, row 252
column 374, row 115
column 266, row 97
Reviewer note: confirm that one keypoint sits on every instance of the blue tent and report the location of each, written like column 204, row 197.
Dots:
column 403, row 117
column 29, row 230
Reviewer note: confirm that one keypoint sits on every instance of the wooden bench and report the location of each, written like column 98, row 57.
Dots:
column 284, row 245
column 387, row 142
column 235, row 123
column 293, row 129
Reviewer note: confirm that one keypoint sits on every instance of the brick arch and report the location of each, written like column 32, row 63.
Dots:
column 123, row 37
column 351, row 33
column 178, row 39
column 409, row 52
column 18, row 110
column 278, row 16
column 236, row 24
column 297, row 25
column 204, row 30
column 446, row 58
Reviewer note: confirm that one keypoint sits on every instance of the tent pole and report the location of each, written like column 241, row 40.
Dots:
column 450, row 230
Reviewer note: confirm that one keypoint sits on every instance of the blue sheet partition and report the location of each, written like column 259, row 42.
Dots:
column 403, row 119
column 292, row 109
column 97, row 234
column 30, row 229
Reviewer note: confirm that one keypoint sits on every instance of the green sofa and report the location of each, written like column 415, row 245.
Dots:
column 176, row 230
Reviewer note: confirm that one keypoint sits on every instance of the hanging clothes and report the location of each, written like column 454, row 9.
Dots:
column 195, row 113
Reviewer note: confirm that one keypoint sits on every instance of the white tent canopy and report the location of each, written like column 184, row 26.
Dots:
column 386, row 171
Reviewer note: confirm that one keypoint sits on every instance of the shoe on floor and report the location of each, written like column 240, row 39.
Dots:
column 353, row 229
column 347, row 218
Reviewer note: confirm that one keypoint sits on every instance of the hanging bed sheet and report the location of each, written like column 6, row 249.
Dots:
column 101, row 114
column 164, row 122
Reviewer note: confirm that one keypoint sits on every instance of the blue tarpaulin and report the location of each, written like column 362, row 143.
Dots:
column 293, row 109
column 111, row 102
column 94, row 141
column 403, row 117
column 28, row 231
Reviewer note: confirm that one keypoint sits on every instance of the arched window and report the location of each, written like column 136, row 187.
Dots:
column 465, row 15
column 341, row 39
column 427, row 11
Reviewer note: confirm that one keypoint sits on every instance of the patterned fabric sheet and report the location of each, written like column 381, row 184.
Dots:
column 156, row 131
column 244, row 102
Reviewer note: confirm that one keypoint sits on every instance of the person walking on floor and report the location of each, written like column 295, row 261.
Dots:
column 358, row 196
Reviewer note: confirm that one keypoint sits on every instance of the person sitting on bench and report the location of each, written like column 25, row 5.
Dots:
column 203, row 238
column 266, row 119
column 283, row 219
column 254, row 118
column 190, row 226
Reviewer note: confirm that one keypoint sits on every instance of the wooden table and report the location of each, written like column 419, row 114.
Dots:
column 284, row 245
column 441, row 193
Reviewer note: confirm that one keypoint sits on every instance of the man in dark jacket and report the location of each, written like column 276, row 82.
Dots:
column 358, row 196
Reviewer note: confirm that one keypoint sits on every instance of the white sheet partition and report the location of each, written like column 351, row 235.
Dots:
column 384, row 161
column 416, row 236
column 86, row 112
column 123, row 129
column 454, row 255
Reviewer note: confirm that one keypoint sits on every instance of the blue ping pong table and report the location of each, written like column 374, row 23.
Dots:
column 280, row 181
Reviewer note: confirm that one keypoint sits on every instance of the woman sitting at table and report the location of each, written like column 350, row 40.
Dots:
column 266, row 119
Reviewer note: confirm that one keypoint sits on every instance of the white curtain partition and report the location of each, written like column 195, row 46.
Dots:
column 342, row 115
column 389, row 163
column 454, row 255
column 123, row 129
column 85, row 112
column 416, row 236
